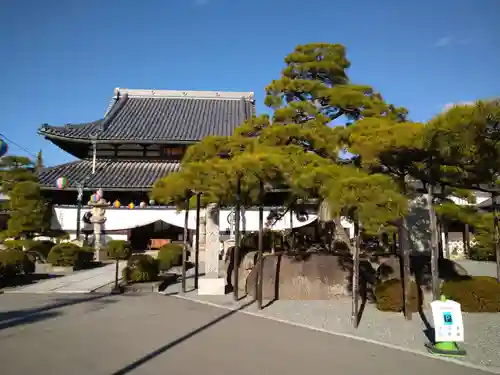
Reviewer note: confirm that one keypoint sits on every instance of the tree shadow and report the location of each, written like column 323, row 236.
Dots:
column 22, row 280
column 14, row 318
column 141, row 361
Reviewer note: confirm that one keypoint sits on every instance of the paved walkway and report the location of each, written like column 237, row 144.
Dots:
column 85, row 281
column 154, row 334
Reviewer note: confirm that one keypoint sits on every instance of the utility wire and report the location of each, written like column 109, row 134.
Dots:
column 17, row 145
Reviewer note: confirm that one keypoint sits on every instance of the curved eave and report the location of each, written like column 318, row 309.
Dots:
column 60, row 137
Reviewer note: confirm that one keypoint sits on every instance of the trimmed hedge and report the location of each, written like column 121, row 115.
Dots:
column 389, row 296
column 475, row 294
column 15, row 262
column 169, row 256
column 70, row 255
column 141, row 268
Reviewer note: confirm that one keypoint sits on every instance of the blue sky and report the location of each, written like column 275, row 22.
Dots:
column 61, row 59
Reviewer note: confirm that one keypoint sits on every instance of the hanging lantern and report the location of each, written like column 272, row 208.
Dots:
column 131, row 205
column 62, row 183
column 152, row 202
column 116, row 204
column 4, row 147
column 142, row 204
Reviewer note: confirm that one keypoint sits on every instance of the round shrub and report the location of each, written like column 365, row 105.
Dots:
column 141, row 268
column 389, row 296
column 169, row 256
column 70, row 255
column 475, row 294
column 15, row 262
column 118, row 249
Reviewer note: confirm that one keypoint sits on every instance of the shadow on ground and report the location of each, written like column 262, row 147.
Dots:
column 9, row 319
column 148, row 357
column 22, row 280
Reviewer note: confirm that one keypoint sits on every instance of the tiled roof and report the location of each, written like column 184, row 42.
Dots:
column 162, row 116
column 110, row 174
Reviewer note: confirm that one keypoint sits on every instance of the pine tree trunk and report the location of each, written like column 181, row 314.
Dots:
column 355, row 275
column 406, row 266
column 340, row 234
column 434, row 244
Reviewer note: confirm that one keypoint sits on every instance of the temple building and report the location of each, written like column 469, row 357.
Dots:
column 141, row 138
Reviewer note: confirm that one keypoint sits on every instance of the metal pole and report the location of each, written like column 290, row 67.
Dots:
column 79, row 209
column 197, row 241
column 237, row 238
column 184, row 248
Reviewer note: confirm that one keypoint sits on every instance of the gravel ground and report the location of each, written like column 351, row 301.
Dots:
column 482, row 331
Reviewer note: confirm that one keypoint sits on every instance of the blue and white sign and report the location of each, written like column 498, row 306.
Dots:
column 448, row 322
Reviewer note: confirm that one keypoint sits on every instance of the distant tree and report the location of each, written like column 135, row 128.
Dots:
column 14, row 169
column 28, row 212
column 39, row 162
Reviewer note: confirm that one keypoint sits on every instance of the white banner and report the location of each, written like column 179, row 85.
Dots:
column 124, row 218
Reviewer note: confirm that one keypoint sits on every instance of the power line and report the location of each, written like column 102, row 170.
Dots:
column 17, row 145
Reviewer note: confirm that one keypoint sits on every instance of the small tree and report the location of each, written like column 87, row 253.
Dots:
column 28, row 212
column 14, row 169
column 118, row 250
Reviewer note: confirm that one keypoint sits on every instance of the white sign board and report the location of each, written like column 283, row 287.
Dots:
column 448, row 322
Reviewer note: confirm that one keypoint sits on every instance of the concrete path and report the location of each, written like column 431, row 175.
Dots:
column 85, row 281
column 154, row 334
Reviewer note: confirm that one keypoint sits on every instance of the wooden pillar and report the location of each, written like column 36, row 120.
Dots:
column 260, row 273
column 197, row 242
column 184, row 248
column 445, row 239
column 236, row 252
column 436, row 292
column 466, row 240
column 405, row 257
column 355, row 275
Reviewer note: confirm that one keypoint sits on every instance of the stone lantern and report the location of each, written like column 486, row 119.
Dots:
column 98, row 219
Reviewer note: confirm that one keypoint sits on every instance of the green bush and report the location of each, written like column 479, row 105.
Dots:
column 475, row 294
column 118, row 249
column 169, row 256
column 70, row 255
column 14, row 244
column 141, row 268
column 389, row 296
column 15, row 262
column 43, row 247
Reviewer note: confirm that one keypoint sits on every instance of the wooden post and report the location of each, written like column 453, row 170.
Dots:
column 184, row 248
column 466, row 240
column 436, row 292
column 355, row 275
column 497, row 234
column 446, row 244
column 197, row 242
column 236, row 251
column 405, row 256
column 260, row 273
column 292, row 237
